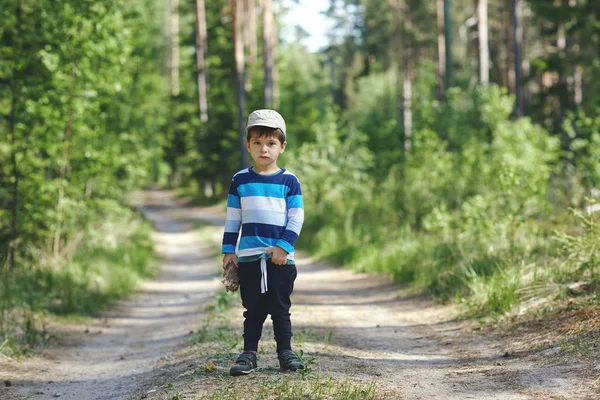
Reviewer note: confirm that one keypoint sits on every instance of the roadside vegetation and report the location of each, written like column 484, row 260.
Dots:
column 487, row 216
column 109, row 258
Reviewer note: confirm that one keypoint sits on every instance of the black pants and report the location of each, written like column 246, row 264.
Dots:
column 275, row 301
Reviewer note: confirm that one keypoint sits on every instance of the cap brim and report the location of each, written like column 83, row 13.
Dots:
column 267, row 125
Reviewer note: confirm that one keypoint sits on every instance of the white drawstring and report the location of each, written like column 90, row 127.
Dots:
column 263, row 275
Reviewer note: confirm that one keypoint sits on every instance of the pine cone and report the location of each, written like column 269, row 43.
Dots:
column 231, row 279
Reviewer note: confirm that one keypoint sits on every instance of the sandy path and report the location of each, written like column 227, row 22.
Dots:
column 408, row 346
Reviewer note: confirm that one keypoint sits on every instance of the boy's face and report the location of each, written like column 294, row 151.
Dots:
column 265, row 149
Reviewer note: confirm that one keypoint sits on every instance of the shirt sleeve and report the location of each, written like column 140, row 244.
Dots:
column 233, row 221
column 295, row 218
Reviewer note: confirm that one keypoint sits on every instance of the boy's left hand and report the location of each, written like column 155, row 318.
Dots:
column 279, row 255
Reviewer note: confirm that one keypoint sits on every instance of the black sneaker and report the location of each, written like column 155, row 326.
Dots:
column 288, row 361
column 245, row 363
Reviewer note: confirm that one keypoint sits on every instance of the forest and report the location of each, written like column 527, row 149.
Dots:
column 453, row 145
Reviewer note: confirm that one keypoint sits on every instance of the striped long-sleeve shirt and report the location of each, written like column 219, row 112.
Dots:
column 268, row 208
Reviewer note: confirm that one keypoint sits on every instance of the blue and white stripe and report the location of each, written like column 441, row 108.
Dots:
column 268, row 209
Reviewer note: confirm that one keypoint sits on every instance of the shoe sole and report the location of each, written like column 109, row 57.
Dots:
column 240, row 373
column 283, row 369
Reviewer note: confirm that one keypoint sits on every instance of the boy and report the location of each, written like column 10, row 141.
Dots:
column 266, row 202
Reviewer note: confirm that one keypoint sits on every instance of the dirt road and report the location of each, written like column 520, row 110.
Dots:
column 408, row 346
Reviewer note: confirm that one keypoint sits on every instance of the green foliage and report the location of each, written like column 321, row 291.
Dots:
column 581, row 252
column 304, row 94
column 583, row 145
column 326, row 167
column 83, row 107
column 456, row 215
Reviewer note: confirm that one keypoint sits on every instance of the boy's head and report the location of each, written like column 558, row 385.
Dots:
column 265, row 123
column 265, row 138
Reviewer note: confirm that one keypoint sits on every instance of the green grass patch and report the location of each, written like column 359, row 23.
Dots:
column 276, row 386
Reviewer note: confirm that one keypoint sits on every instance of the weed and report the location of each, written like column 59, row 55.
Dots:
column 291, row 388
column 177, row 396
column 307, row 371
column 327, row 338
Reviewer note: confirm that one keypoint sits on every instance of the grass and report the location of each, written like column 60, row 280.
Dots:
column 274, row 386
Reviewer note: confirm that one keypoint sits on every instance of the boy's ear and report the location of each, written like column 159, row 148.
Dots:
column 283, row 146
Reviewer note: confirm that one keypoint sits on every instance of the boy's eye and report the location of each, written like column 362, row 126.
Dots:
column 272, row 143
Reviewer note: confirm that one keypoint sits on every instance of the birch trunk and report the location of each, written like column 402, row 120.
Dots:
column 448, row 42
column 237, row 24
column 175, row 47
column 517, row 17
column 407, row 64
column 482, row 37
column 441, row 47
column 250, row 33
column 201, row 49
column 269, row 39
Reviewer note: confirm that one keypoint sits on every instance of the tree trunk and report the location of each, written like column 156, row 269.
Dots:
column 578, row 81
column 250, row 33
column 407, row 65
column 201, row 49
column 237, row 24
column 496, row 43
column 562, row 97
column 396, row 56
column 269, row 38
column 167, row 36
column 509, row 62
column 175, row 47
column 441, row 44
column 526, row 68
column 14, row 209
column 517, row 17
column 14, row 224
column 448, row 42
column 482, row 38
column 63, row 168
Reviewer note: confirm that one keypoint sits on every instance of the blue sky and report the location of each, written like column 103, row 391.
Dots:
column 306, row 14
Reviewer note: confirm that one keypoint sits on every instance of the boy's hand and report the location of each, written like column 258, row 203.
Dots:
column 279, row 255
column 229, row 257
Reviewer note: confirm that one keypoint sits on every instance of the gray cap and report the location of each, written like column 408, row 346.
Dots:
column 269, row 118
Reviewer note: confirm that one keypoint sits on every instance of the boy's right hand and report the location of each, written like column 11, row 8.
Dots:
column 229, row 257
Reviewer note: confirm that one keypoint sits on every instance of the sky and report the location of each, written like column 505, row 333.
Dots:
column 306, row 14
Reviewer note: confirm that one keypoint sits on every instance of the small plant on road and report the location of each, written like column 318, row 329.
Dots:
column 307, row 371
